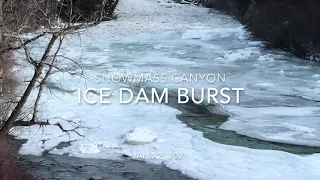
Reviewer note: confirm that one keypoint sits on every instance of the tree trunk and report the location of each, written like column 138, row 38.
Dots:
column 43, row 82
column 17, row 110
column 1, row 21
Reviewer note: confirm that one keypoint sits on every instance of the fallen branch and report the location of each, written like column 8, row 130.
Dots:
column 29, row 123
column 71, row 130
column 42, row 124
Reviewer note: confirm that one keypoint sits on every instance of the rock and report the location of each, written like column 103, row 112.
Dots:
column 96, row 178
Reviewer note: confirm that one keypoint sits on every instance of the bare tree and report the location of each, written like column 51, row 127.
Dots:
column 36, row 13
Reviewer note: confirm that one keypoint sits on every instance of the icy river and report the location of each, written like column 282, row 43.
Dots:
column 274, row 133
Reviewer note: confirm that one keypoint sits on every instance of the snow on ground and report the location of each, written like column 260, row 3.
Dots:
column 197, row 43
column 141, row 16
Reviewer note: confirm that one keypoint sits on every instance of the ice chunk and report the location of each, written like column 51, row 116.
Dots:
column 316, row 76
column 140, row 136
column 264, row 86
column 265, row 58
column 89, row 148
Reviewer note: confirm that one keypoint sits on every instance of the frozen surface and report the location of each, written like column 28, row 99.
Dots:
column 280, row 103
column 296, row 125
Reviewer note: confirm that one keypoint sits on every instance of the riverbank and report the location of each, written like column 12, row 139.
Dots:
column 288, row 25
column 50, row 166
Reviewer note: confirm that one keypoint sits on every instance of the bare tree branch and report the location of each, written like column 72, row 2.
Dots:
column 25, row 43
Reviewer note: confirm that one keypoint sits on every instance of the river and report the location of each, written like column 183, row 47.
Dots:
column 277, row 121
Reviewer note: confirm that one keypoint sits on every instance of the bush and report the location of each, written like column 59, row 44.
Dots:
column 290, row 25
column 237, row 8
column 86, row 10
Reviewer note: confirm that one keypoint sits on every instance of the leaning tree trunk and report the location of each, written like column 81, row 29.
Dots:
column 43, row 82
column 17, row 110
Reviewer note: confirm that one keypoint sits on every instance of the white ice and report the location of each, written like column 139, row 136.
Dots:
column 140, row 136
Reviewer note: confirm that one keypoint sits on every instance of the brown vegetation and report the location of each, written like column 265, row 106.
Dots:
column 87, row 10
column 9, row 169
column 289, row 25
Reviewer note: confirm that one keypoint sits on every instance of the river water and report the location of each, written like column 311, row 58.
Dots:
column 279, row 109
